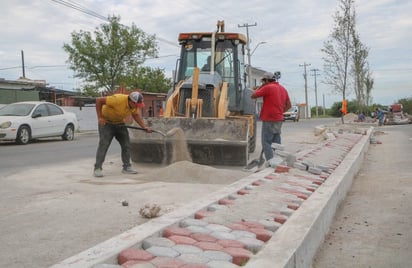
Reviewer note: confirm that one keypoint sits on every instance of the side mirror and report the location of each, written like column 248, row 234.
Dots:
column 35, row 115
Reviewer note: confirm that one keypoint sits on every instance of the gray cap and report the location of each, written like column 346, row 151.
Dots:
column 136, row 97
column 267, row 76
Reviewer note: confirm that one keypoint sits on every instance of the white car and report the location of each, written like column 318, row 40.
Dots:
column 28, row 120
column 292, row 114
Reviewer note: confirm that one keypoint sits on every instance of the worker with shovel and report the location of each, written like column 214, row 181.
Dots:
column 112, row 112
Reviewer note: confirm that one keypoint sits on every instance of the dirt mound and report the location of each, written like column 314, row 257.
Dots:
column 186, row 171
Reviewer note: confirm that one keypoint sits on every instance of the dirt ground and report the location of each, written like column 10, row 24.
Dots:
column 373, row 225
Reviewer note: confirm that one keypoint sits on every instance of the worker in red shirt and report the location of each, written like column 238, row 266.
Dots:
column 275, row 102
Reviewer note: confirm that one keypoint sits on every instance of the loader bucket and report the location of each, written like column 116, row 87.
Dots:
column 210, row 141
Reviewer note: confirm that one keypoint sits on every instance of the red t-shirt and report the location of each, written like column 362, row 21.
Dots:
column 275, row 98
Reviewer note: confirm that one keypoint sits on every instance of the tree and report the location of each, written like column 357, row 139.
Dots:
column 338, row 49
column 110, row 56
column 360, row 72
column 150, row 80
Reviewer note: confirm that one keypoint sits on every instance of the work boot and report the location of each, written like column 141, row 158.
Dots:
column 98, row 172
column 129, row 170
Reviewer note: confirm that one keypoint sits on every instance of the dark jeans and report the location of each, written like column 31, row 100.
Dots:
column 106, row 135
column 270, row 133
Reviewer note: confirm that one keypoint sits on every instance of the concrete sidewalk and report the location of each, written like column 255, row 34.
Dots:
column 273, row 218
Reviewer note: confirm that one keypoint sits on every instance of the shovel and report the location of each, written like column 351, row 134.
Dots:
column 140, row 128
column 256, row 162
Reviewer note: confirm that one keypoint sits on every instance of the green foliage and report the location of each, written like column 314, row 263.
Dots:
column 111, row 54
column 149, row 80
column 407, row 105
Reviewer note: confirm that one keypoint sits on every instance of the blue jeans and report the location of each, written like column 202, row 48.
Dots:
column 106, row 134
column 270, row 133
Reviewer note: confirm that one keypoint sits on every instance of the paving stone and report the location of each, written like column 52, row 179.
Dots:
column 240, row 256
column 167, row 262
column 173, row 230
column 201, row 237
column 270, row 225
column 194, row 258
column 218, row 228
column 157, row 241
column 192, row 265
column 133, row 254
column 218, row 255
column 223, row 235
column 215, row 207
column 187, row 249
column 199, row 229
column 192, row 222
column 186, row 240
column 251, row 244
column 238, row 226
column 138, row 264
column 221, row 264
column 208, row 245
column 228, row 243
column 240, row 233
column 163, row 252
column 226, row 202
column 262, row 234
column 103, row 265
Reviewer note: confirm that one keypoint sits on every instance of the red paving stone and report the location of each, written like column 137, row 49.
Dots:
column 184, row 240
column 227, row 243
column 261, row 234
column 226, row 202
column 132, row 254
column 202, row 214
column 203, row 237
column 169, row 231
column 238, row 227
column 243, row 192
column 208, row 246
column 252, row 224
column 282, row 169
column 240, row 255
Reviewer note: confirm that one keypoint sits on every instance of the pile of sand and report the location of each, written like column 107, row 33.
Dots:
column 186, row 171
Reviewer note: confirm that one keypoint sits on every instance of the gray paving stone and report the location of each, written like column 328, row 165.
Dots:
column 199, row 229
column 192, row 222
column 194, row 258
column 218, row 255
column 251, row 244
column 270, row 225
column 218, row 228
column 215, row 207
column 157, row 241
column 223, row 235
column 221, row 264
column 163, row 251
column 103, row 265
column 239, row 234
column 187, row 249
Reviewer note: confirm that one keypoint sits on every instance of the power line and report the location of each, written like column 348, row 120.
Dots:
column 80, row 8
column 306, row 88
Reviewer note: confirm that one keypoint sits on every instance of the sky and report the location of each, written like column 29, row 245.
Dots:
column 286, row 36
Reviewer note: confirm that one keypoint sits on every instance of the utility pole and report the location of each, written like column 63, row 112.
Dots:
column 316, row 90
column 306, row 89
column 248, row 51
column 22, row 64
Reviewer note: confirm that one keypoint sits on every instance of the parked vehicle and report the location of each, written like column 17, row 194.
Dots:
column 25, row 121
column 292, row 114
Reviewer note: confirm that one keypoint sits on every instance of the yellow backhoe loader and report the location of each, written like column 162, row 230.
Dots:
column 210, row 102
